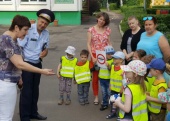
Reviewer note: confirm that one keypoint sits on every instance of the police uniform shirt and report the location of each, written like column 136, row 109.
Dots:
column 33, row 43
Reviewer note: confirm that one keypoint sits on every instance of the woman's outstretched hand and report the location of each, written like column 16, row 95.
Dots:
column 48, row 72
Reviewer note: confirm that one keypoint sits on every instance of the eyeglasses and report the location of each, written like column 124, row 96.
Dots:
column 147, row 18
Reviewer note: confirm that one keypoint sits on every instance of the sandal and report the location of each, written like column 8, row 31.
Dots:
column 95, row 103
column 110, row 116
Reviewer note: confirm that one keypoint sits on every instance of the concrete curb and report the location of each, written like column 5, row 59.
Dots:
column 120, row 29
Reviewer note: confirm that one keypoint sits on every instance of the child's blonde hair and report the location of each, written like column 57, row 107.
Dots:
column 139, row 69
column 139, row 80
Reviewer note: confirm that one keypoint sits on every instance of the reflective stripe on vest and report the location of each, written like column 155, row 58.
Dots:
column 153, row 106
column 82, row 73
column 104, row 73
column 67, row 67
column 116, row 79
column 139, row 104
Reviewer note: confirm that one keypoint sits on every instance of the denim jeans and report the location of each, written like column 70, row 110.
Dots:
column 83, row 91
column 104, row 83
column 168, row 116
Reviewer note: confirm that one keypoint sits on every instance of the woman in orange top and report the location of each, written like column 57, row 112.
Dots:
column 98, row 38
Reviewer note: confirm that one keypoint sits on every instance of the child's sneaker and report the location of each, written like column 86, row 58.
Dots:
column 103, row 107
column 86, row 102
column 68, row 101
column 118, row 118
column 60, row 102
column 82, row 103
column 111, row 115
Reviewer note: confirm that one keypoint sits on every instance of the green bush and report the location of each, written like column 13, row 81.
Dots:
column 132, row 10
column 132, row 2
column 153, row 10
column 161, row 6
column 113, row 6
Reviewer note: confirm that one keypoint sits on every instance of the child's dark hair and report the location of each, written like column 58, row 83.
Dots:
column 147, row 58
column 20, row 21
column 141, row 53
column 84, row 52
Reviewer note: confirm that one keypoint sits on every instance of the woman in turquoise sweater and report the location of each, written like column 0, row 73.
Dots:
column 153, row 41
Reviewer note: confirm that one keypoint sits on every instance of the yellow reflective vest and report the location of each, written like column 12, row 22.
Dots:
column 153, row 106
column 149, row 83
column 82, row 73
column 116, row 78
column 67, row 67
column 139, row 104
column 104, row 73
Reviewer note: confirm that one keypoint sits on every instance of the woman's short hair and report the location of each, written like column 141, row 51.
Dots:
column 20, row 21
column 105, row 16
column 133, row 17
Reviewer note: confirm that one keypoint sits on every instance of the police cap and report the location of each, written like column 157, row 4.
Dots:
column 47, row 14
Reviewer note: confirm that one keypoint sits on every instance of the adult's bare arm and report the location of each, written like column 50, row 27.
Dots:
column 89, row 42
column 89, row 46
column 44, row 53
column 17, row 60
column 165, row 48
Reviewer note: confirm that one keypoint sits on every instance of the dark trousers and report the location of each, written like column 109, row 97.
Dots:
column 83, row 91
column 29, row 94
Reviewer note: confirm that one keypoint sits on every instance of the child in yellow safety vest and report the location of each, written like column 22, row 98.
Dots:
column 104, row 77
column 116, row 77
column 65, row 74
column 133, row 105
column 149, row 79
column 157, row 109
column 165, row 97
column 82, row 72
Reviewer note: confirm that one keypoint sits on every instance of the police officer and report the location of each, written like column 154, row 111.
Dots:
column 34, row 47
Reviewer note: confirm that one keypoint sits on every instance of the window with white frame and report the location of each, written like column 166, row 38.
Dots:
column 33, row 0
column 64, row 1
column 4, row 0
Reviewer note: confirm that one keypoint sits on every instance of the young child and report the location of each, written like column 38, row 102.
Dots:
column 65, row 74
column 138, row 54
column 116, row 78
column 83, row 77
column 157, row 109
column 149, row 79
column 165, row 97
column 166, row 74
column 104, row 77
column 132, row 105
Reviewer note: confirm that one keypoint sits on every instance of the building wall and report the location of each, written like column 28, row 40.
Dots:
column 67, row 12
column 63, row 17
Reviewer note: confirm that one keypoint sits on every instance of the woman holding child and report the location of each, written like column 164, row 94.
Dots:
column 98, row 38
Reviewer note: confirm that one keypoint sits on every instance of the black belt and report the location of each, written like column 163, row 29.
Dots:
column 8, row 77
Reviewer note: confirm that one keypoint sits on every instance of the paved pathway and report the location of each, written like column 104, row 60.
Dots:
column 61, row 37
